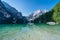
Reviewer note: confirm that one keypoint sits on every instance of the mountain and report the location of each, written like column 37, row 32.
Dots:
column 9, row 14
column 39, row 12
column 10, row 9
column 47, row 17
column 44, row 16
column 3, row 13
column 51, row 16
column 36, row 14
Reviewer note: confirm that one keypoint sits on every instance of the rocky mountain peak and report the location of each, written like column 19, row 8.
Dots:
column 9, row 14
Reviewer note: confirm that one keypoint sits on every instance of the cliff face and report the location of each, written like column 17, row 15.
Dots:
column 3, row 13
column 9, row 14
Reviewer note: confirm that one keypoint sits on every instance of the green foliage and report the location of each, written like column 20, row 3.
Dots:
column 56, row 14
column 53, row 15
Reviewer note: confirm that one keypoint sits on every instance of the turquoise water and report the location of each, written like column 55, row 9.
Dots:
column 29, row 32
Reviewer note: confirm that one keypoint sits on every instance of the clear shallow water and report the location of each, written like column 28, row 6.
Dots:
column 29, row 32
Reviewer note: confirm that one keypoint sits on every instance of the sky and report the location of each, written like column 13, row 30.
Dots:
column 29, row 6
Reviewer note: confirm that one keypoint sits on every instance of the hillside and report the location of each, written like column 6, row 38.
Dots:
column 52, row 15
column 56, row 13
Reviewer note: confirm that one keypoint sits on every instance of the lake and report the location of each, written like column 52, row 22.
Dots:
column 29, row 32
